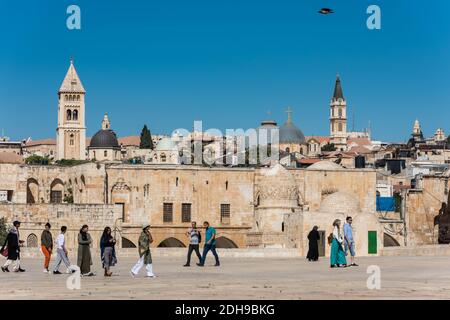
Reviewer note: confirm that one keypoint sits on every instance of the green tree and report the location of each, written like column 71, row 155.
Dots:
column 329, row 147
column 35, row 159
column 3, row 231
column 146, row 139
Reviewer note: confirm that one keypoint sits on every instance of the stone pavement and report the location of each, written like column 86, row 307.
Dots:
column 245, row 278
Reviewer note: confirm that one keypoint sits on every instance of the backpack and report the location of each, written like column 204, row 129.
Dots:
column 330, row 239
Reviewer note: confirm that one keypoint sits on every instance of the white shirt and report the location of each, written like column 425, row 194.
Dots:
column 60, row 240
column 337, row 235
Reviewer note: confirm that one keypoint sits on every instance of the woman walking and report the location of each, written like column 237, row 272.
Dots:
column 144, row 253
column 84, row 251
column 337, row 255
column 13, row 244
column 108, row 252
column 313, row 237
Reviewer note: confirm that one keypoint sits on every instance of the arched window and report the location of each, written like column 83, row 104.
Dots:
column 340, row 113
column 163, row 157
column 340, row 127
column 226, row 185
column 105, row 153
column 75, row 115
column 32, row 241
column 78, row 97
column 69, row 114
column 66, row 97
column 71, row 140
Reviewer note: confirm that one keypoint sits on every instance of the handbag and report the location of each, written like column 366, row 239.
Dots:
column 5, row 252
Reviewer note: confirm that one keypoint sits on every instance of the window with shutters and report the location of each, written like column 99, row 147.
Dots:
column 168, row 212
column 186, row 212
column 225, row 213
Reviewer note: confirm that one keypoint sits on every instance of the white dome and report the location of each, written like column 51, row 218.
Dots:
column 166, row 144
column 325, row 165
column 340, row 202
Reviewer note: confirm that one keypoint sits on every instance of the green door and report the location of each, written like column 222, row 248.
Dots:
column 372, row 242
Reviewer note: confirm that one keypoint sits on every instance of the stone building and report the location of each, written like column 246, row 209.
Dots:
column 338, row 117
column 71, row 130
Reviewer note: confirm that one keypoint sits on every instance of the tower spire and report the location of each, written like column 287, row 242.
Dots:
column 338, row 94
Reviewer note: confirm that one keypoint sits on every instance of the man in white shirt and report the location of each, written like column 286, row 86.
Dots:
column 62, row 252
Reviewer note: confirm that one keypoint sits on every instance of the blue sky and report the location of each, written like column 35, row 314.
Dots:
column 227, row 63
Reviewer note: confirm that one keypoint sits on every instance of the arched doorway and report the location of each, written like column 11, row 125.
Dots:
column 223, row 242
column 126, row 243
column 389, row 241
column 171, row 243
column 56, row 191
column 32, row 191
column 32, row 241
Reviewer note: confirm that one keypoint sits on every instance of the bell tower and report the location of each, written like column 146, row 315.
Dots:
column 338, row 118
column 71, row 131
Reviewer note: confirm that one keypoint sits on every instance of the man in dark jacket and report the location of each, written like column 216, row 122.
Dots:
column 13, row 244
column 47, row 245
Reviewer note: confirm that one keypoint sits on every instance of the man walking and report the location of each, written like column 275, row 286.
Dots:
column 13, row 244
column 61, row 252
column 47, row 245
column 210, row 244
column 194, row 241
column 349, row 241
column 145, row 256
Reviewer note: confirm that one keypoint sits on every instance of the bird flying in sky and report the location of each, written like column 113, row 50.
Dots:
column 325, row 11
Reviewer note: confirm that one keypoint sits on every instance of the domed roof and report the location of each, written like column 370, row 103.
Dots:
column 325, row 165
column 104, row 139
column 340, row 202
column 277, row 186
column 290, row 133
column 166, row 144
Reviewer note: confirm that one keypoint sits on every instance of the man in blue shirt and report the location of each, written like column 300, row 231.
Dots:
column 349, row 241
column 210, row 244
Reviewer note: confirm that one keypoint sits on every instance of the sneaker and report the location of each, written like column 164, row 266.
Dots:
column 186, row 265
column 5, row 269
column 56, row 272
column 133, row 274
column 200, row 265
column 151, row 276
column 354, row 265
column 46, row 271
column 217, row 265
column 20, row 270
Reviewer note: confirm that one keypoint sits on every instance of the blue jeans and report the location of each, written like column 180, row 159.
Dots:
column 206, row 249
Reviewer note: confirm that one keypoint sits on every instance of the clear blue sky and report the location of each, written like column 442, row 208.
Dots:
column 226, row 62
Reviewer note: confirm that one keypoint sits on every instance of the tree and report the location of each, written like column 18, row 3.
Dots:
column 3, row 231
column 146, row 139
column 329, row 147
column 35, row 159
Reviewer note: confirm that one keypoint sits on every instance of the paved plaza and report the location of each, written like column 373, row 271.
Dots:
column 243, row 278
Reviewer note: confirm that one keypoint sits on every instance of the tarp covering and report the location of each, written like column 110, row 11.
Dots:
column 385, row 204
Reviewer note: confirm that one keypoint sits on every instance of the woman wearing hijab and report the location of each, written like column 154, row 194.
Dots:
column 337, row 255
column 108, row 252
column 13, row 244
column 84, row 251
column 313, row 237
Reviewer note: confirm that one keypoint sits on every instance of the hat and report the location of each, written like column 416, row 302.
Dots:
column 15, row 223
column 145, row 226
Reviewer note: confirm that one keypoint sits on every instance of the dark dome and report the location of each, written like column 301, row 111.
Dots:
column 289, row 133
column 104, row 139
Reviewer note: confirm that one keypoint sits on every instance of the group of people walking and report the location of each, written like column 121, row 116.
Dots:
column 12, row 244
column 337, row 239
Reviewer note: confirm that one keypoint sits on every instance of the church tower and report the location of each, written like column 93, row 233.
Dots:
column 71, row 131
column 338, row 118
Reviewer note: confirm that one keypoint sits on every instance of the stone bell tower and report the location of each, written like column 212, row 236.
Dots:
column 71, row 131
column 338, row 118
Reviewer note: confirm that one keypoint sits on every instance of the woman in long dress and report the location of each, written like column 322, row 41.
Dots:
column 313, row 237
column 337, row 256
column 108, row 254
column 84, row 260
